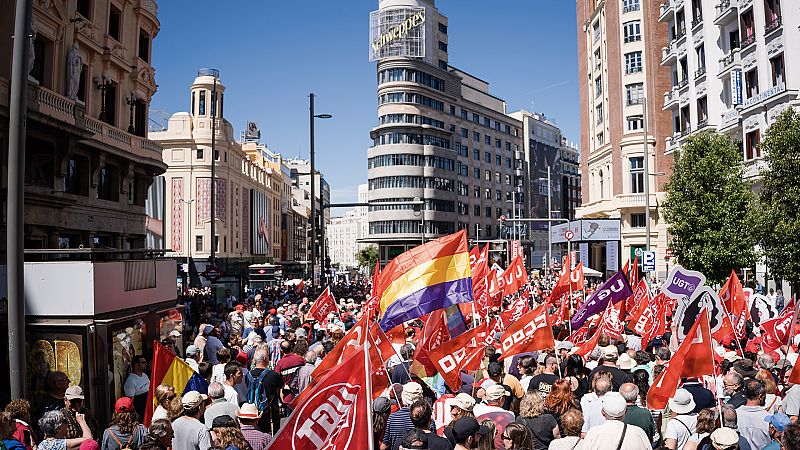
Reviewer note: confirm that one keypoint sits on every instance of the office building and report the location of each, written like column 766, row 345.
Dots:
column 441, row 136
column 619, row 61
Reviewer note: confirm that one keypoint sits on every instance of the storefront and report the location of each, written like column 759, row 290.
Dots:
column 595, row 241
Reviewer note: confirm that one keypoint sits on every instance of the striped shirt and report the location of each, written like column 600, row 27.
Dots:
column 274, row 352
column 257, row 439
column 397, row 425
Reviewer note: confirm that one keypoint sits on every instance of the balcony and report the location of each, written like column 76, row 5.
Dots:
column 728, row 62
column 668, row 55
column 697, row 22
column 634, row 101
column 699, row 73
column 44, row 102
column 726, row 11
column 776, row 24
column 670, row 99
column 683, row 84
column 748, row 41
column 630, row 8
column 671, row 145
column 702, row 123
column 687, row 129
column 665, row 11
column 679, row 36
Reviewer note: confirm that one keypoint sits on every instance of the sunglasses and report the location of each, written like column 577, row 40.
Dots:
column 506, row 437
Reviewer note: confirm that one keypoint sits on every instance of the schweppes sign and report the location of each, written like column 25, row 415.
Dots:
column 398, row 31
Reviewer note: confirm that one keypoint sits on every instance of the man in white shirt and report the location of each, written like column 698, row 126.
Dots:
column 192, row 356
column 614, row 433
column 138, row 384
column 591, row 405
column 233, row 376
column 683, row 423
column 751, row 416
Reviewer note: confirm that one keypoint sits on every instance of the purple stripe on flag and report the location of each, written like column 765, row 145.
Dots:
column 615, row 289
column 426, row 300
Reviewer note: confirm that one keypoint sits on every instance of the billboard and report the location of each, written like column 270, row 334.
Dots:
column 260, row 206
column 397, row 32
column 587, row 230
column 154, row 208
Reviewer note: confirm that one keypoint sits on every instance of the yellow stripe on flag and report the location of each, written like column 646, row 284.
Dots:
column 430, row 273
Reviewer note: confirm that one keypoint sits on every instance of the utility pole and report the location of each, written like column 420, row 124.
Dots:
column 15, row 242
column 313, row 192
column 549, row 216
column 646, row 177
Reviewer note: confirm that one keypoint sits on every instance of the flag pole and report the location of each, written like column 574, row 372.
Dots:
column 733, row 325
column 714, row 366
column 371, row 440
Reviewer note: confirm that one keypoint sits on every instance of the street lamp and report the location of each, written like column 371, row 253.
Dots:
column 131, row 103
column 102, row 83
column 311, row 117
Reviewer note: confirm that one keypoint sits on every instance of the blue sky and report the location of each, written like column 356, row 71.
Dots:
column 271, row 54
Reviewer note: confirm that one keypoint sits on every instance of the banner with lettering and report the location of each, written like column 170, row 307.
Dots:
column 531, row 332
column 615, row 290
column 462, row 353
column 515, row 276
column 323, row 305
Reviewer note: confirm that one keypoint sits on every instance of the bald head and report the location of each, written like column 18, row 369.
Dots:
column 601, row 386
column 630, row 392
column 311, row 356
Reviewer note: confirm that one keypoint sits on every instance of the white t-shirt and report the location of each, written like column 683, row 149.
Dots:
column 608, row 435
column 231, row 395
column 681, row 429
column 136, row 385
column 218, row 374
column 592, row 407
column 791, row 401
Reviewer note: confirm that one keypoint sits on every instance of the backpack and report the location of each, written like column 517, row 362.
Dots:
column 257, row 392
column 127, row 445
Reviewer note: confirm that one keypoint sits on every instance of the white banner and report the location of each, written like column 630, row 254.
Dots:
column 612, row 255
column 584, row 247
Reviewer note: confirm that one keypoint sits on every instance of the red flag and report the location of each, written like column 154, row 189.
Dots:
column 465, row 352
column 380, row 350
column 480, row 271
column 531, row 332
column 633, row 277
column 300, row 287
column 494, row 326
column 334, row 414
column 735, row 303
column 515, row 276
column 323, row 305
column 693, row 358
column 578, row 337
column 351, row 342
column 562, row 312
column 589, row 345
column 515, row 310
column 649, row 317
column 778, row 329
column 374, row 296
column 576, row 278
column 609, row 321
column 434, row 334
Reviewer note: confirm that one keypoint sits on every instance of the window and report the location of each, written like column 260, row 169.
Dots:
column 198, row 244
column 464, row 114
column 498, row 195
column 702, row 111
column 778, row 69
column 633, row 62
column 598, row 86
column 476, row 192
column 442, row 46
column 752, row 145
column 452, row 110
column 487, row 139
column 508, row 146
column 637, row 175
column 498, row 160
column 84, row 8
column 630, row 5
column 638, row 220
column 476, row 173
column 442, row 28
column 110, row 104
column 199, row 153
column 201, row 111
column 508, row 162
column 144, row 46
column 487, row 157
column 108, row 183
column 476, row 154
column 114, row 22
column 596, row 31
column 488, row 211
column 635, row 123
column 476, row 118
column 464, row 133
column 82, row 84
column 751, row 79
column 497, row 177
column 487, row 175
column 598, row 114
column 747, row 28
column 476, row 136
column 443, row 64
column 498, row 143
column 600, row 138
column 476, row 210
column 77, row 179
column 632, row 31
column 487, row 122
column 701, row 58
column 488, row 194
column 634, row 94
column 772, row 14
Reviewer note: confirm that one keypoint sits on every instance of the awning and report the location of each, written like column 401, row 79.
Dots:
column 588, row 272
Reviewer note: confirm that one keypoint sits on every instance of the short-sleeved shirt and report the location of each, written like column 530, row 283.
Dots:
column 681, row 428
column 53, row 444
column 791, row 402
column 542, row 383
column 398, row 423
column 190, row 434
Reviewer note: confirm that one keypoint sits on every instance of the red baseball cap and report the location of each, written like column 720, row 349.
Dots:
column 123, row 404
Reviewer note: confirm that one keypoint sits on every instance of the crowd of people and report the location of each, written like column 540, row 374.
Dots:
column 258, row 354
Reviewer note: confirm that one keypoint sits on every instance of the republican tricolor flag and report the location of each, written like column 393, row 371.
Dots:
column 432, row 276
column 167, row 368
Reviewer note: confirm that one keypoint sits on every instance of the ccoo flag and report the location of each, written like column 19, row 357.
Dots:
column 170, row 370
column 432, row 276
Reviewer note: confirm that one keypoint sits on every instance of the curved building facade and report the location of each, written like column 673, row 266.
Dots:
column 439, row 136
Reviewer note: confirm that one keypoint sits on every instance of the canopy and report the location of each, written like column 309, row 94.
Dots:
column 292, row 282
column 588, row 272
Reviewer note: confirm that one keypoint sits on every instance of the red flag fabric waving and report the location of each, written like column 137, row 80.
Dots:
column 778, row 329
column 649, row 317
column 323, row 305
column 693, row 358
column 590, row 344
column 374, row 296
column 300, row 287
column 349, row 343
column 515, row 276
column 633, row 277
column 515, row 310
column 735, row 303
column 609, row 321
column 465, row 352
column 434, row 334
column 480, row 271
column 531, row 332
column 334, row 414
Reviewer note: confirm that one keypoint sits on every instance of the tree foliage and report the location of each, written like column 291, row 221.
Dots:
column 367, row 256
column 710, row 208
column 780, row 197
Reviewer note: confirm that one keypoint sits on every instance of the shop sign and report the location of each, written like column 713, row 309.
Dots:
column 773, row 91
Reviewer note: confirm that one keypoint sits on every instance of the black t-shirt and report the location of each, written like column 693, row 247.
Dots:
column 435, row 442
column 541, row 428
column 618, row 377
column 542, row 383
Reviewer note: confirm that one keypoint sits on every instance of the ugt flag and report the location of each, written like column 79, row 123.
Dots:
column 615, row 290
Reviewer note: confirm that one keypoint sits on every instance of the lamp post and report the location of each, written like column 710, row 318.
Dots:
column 131, row 102
column 188, row 237
column 549, row 216
column 311, row 117
column 647, row 177
column 102, row 83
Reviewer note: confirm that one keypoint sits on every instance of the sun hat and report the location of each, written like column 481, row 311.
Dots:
column 193, row 399
column 682, row 402
column 610, row 351
column 745, row 368
column 625, row 362
column 724, row 438
column 496, row 392
column 462, row 401
column 248, row 411
column 411, row 392
column 614, row 405
column 74, row 393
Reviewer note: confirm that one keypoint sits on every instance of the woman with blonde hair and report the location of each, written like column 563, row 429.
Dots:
column 164, row 395
column 542, row 426
column 487, row 442
column 773, row 403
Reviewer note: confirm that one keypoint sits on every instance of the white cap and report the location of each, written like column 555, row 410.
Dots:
column 614, row 405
